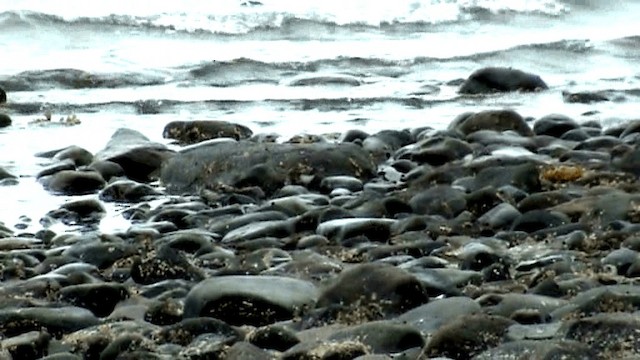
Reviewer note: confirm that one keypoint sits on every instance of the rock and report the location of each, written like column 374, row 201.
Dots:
column 252, row 300
column 57, row 321
column 500, row 79
column 191, row 132
column 71, row 182
column 127, row 191
column 187, row 330
column 438, row 151
column 165, row 263
column 86, row 211
column 468, row 336
column 30, row 345
column 228, row 164
column 430, row 317
column 584, row 97
column 108, row 169
column 79, row 156
column 554, row 125
column 140, row 158
column 441, row 200
column 326, row 350
column 3, row 96
column 99, row 298
column 243, row 350
column 381, row 337
column 612, row 336
column 496, row 120
column 274, row 337
column 393, row 289
column 532, row 349
column 340, row 230
column 5, row 120
column 326, row 79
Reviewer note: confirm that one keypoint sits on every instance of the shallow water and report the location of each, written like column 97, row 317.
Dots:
column 367, row 65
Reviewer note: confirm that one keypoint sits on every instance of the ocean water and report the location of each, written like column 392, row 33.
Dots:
column 289, row 67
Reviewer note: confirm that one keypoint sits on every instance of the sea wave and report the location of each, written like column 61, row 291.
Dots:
column 285, row 15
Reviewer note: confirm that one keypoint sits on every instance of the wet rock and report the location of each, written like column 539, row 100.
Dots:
column 226, row 163
column 5, row 120
column 438, row 151
column 79, row 156
column 274, row 337
column 500, row 79
column 107, row 169
column 165, row 263
column 191, row 132
column 99, row 253
column 100, row 299
column 343, row 229
column 610, row 336
column 501, row 216
column 140, row 158
column 535, row 220
column 441, row 200
column 243, row 350
column 468, row 336
column 584, row 97
column 71, row 182
column 87, row 211
column 253, row 300
column 554, row 125
column 496, row 120
column 382, row 337
column 57, row 321
column 127, row 191
column 531, row 349
column 393, row 289
column 325, row 350
column 430, row 317
column 187, row 330
column 30, row 345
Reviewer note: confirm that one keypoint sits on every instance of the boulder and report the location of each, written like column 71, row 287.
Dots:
column 501, row 79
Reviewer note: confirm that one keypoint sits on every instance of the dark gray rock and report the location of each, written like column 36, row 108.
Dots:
column 381, row 337
column 430, row 317
column 127, row 191
column 231, row 164
column 86, row 211
column 543, row 350
column 187, row 330
column 339, row 230
column 274, row 337
column 79, row 156
column 501, row 79
column 441, row 200
column 57, row 321
column 496, row 120
column 5, row 120
column 554, row 125
column 139, row 157
column 438, row 150
column 253, row 300
column 30, row 345
column 71, row 182
column 393, row 289
column 610, row 336
column 191, row 132
column 468, row 336
column 100, row 298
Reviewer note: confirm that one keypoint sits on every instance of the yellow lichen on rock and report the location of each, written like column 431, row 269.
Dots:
column 562, row 173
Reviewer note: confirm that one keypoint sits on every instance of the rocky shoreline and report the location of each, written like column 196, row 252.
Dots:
column 499, row 237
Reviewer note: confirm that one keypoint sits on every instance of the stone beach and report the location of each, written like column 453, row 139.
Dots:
column 500, row 237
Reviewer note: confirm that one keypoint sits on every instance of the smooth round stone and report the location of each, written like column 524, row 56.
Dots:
column 274, row 337
column 127, row 191
column 274, row 228
column 497, row 120
column 350, row 183
column 100, row 298
column 326, row 350
column 554, row 125
column 430, row 317
column 190, row 132
column 460, row 339
column 15, row 243
column 165, row 263
column 536, row 349
column 500, row 79
column 499, row 217
column 30, row 345
column 607, row 334
column 108, row 169
column 394, row 289
column 439, row 151
column 5, row 120
column 439, row 200
column 223, row 225
column 185, row 331
column 539, row 219
column 99, row 253
column 78, row 155
column 341, row 229
column 57, row 321
column 382, row 337
column 621, row 259
column 612, row 298
column 71, row 182
column 252, row 300
column 508, row 304
column 243, row 350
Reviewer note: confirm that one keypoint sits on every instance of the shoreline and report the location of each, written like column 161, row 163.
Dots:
column 496, row 232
